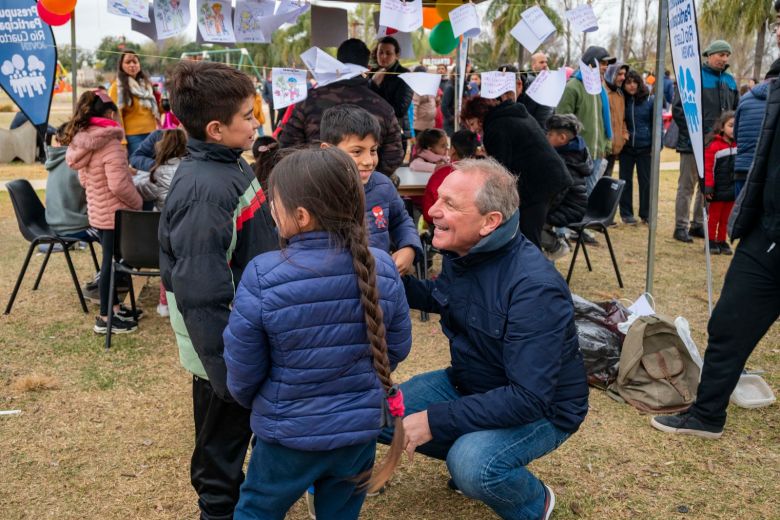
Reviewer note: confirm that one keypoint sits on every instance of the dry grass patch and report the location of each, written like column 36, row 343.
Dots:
column 115, row 439
column 34, row 383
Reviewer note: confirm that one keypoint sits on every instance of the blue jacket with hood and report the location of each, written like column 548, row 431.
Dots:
column 747, row 127
column 509, row 318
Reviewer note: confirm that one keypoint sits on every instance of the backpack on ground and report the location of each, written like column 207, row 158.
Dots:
column 656, row 372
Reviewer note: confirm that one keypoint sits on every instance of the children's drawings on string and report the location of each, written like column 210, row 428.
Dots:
column 215, row 21
column 289, row 86
column 135, row 9
column 404, row 16
column 533, row 28
column 171, row 17
column 465, row 21
column 246, row 22
column 582, row 18
column 495, row 84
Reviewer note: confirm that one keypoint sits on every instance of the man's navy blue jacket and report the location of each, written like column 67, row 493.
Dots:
column 510, row 321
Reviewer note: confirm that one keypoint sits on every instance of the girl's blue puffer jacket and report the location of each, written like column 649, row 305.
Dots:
column 639, row 120
column 296, row 347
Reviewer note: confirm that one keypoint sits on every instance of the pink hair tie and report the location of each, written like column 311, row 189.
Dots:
column 395, row 401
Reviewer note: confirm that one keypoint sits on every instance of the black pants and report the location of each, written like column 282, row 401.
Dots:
column 610, row 165
column 639, row 157
column 222, row 436
column 532, row 220
column 107, row 245
column 749, row 304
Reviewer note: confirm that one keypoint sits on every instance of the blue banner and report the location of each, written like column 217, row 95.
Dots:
column 28, row 58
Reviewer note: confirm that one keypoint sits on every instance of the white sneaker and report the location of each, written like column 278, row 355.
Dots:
column 549, row 502
column 162, row 310
column 562, row 250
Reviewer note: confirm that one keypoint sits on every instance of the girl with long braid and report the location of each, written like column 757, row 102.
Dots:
column 314, row 334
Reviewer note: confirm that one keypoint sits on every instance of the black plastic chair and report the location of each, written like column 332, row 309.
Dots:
column 136, row 252
column 31, row 217
column 602, row 205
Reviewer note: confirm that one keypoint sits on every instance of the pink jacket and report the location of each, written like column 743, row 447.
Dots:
column 427, row 161
column 101, row 160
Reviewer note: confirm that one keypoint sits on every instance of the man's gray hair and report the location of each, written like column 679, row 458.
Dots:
column 499, row 193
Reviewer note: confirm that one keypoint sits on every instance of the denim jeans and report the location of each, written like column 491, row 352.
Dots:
column 488, row 465
column 134, row 141
column 277, row 477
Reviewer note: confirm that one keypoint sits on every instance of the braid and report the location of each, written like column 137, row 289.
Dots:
column 365, row 269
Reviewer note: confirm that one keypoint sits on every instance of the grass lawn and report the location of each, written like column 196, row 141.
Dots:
column 109, row 435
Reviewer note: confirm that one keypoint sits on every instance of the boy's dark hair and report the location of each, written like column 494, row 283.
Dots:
column 172, row 145
column 265, row 150
column 205, row 91
column 465, row 143
column 340, row 121
column 90, row 104
column 633, row 76
column 564, row 123
column 353, row 51
column 777, row 6
column 428, row 138
column 325, row 181
column 391, row 41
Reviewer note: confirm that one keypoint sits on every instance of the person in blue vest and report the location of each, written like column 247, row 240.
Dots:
column 516, row 388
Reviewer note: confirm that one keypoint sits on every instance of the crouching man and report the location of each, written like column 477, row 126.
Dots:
column 516, row 387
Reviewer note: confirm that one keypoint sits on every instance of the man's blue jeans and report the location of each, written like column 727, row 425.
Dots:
column 488, row 465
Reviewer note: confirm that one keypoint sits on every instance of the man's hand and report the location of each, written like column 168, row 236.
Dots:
column 417, row 431
column 404, row 258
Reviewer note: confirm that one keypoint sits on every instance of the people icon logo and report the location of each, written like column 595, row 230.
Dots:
column 28, row 81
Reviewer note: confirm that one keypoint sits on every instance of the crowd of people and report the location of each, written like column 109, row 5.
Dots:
column 288, row 287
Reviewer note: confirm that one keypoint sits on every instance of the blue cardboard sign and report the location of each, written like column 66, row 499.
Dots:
column 28, row 58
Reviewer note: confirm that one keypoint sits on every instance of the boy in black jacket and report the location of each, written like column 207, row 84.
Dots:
column 214, row 222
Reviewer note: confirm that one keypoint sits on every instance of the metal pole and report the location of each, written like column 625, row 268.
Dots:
column 655, row 166
column 73, row 57
column 621, row 35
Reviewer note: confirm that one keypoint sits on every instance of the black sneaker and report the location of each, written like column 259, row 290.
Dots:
column 685, row 424
column 451, row 484
column 696, row 231
column 630, row 220
column 715, row 248
column 725, row 249
column 117, row 327
column 91, row 294
column 682, row 235
column 126, row 313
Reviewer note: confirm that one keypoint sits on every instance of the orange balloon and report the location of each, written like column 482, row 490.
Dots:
column 431, row 17
column 59, row 6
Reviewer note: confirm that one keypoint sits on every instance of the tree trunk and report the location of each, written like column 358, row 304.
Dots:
column 520, row 58
column 760, row 45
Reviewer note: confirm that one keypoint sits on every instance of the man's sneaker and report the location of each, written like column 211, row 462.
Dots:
column 451, row 484
column 696, row 231
column 682, row 235
column 91, row 294
column 310, row 503
column 630, row 220
column 163, row 310
column 562, row 249
column 725, row 249
column 589, row 238
column 377, row 492
column 117, row 327
column 715, row 248
column 549, row 502
column 126, row 314
column 685, row 424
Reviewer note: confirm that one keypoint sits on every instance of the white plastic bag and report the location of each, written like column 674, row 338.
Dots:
column 684, row 331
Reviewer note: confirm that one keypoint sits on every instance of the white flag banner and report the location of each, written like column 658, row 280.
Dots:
column 422, row 83
column 171, row 17
column 326, row 69
column 135, row 9
column 582, row 18
column 591, row 78
column 215, row 21
column 400, row 15
column 288, row 86
column 465, row 21
column 684, row 37
column 495, row 83
column 547, row 88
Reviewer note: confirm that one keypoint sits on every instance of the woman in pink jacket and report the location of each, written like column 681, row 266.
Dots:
column 94, row 139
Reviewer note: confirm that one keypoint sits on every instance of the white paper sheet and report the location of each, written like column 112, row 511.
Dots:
column 541, row 26
column 171, row 17
column 642, row 307
column 215, row 21
column 326, row 69
column 591, row 78
column 523, row 33
column 582, row 18
column 135, row 9
column 422, row 83
column 495, row 83
column 547, row 88
column 465, row 21
column 246, row 22
column 289, row 86
column 400, row 15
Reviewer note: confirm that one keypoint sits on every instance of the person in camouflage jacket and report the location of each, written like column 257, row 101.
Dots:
column 304, row 124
